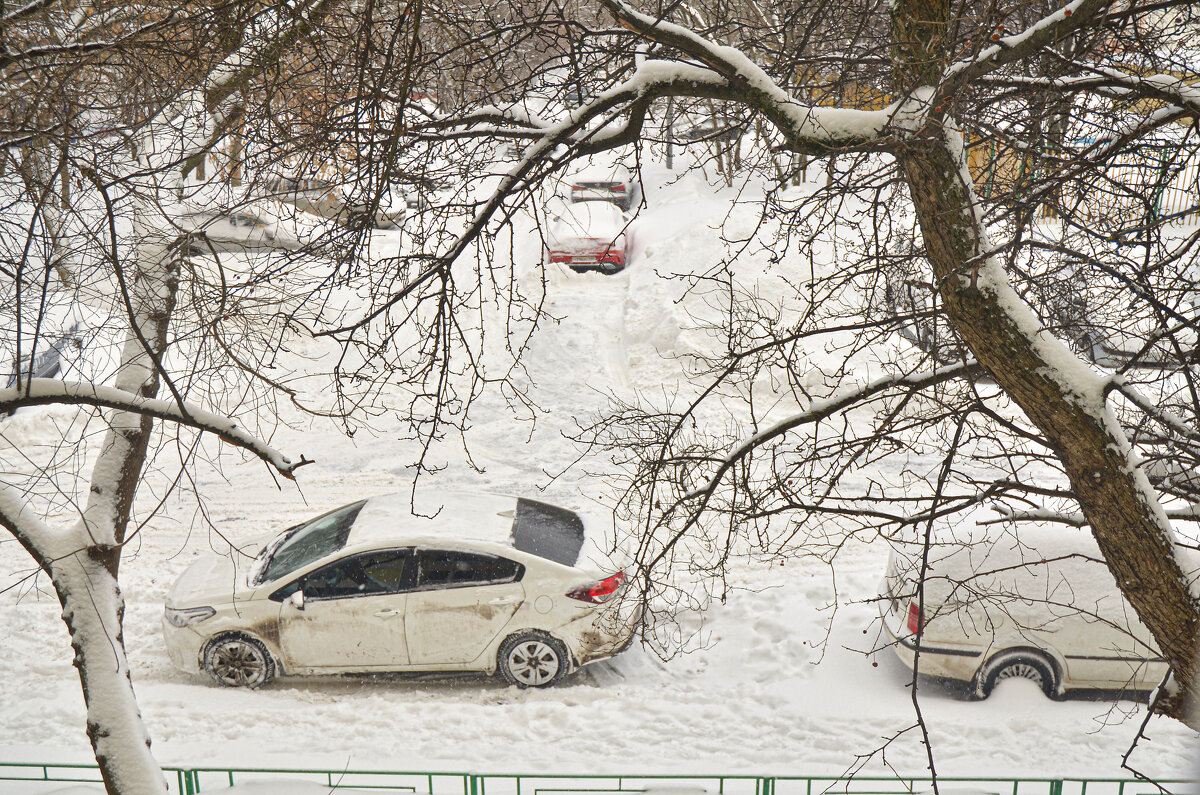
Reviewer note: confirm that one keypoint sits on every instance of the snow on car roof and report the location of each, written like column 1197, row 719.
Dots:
column 590, row 219
column 599, row 172
column 444, row 515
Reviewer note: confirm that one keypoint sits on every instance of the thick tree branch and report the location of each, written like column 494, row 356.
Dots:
column 48, row 391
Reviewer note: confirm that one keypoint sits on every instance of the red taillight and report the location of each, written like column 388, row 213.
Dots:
column 614, row 256
column 597, row 592
column 914, row 618
column 560, row 257
column 617, row 188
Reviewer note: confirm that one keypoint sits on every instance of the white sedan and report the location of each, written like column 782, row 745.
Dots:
column 491, row 584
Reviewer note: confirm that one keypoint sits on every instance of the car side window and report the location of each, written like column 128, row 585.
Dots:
column 367, row 574
column 445, row 568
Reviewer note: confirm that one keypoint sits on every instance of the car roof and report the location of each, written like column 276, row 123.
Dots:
column 590, row 218
column 444, row 517
column 601, row 172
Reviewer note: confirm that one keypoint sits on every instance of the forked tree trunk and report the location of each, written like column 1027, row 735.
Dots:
column 1057, row 392
column 86, row 581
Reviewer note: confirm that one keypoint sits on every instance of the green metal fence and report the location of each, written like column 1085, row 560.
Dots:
column 36, row 779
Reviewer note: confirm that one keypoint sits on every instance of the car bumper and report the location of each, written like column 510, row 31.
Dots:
column 600, row 194
column 601, row 634
column 941, row 660
column 184, row 645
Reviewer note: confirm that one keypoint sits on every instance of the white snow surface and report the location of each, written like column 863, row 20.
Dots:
column 784, row 684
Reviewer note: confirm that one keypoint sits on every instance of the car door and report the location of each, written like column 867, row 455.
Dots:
column 461, row 602
column 351, row 615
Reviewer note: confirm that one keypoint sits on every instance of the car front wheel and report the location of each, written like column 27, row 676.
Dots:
column 532, row 659
column 238, row 661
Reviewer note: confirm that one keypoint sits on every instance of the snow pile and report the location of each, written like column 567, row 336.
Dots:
column 783, row 684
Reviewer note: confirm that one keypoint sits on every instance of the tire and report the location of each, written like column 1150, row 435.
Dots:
column 238, row 661
column 532, row 659
column 1030, row 665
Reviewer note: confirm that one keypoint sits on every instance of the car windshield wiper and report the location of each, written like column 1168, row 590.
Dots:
column 259, row 567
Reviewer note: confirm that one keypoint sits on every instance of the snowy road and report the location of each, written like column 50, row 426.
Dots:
column 783, row 686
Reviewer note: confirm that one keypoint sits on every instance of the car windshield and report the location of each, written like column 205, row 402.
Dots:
column 548, row 531
column 304, row 544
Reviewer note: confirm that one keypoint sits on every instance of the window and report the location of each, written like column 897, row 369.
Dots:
column 305, row 544
column 548, row 531
column 442, row 568
column 367, row 574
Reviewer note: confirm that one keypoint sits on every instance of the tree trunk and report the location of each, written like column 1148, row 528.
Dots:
column 1059, row 394
column 119, row 738
column 93, row 610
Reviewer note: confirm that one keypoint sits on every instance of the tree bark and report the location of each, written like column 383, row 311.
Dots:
column 1040, row 374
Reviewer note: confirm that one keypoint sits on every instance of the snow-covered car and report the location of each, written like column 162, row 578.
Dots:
column 1000, row 603
column 611, row 183
column 315, row 196
column 489, row 583
column 235, row 230
column 589, row 235
column 325, row 199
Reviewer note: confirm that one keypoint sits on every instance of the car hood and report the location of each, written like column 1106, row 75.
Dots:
column 212, row 580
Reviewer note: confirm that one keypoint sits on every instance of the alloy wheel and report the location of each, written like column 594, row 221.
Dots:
column 238, row 664
column 533, row 663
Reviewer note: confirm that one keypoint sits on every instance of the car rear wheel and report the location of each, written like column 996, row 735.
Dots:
column 238, row 661
column 1029, row 665
column 532, row 659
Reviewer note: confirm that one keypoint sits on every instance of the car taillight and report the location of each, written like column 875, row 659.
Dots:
column 914, row 618
column 612, row 255
column 617, row 188
column 600, row 591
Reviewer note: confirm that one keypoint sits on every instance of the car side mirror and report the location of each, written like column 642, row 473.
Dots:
column 296, row 600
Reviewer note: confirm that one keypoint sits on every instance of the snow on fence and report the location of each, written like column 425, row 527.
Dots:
column 44, row 779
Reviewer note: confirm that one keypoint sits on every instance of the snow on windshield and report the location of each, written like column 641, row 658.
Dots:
column 305, row 544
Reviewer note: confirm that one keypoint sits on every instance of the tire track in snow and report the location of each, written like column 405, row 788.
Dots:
column 616, row 353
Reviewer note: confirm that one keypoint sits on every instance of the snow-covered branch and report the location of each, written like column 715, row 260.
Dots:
column 807, row 128
column 1169, row 88
column 44, row 391
column 820, row 410
column 1181, row 97
column 190, row 120
column 1009, row 49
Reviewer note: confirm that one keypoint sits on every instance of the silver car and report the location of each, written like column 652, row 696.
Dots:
column 491, row 584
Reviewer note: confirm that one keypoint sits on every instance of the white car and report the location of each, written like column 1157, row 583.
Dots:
column 1024, row 602
column 237, row 231
column 589, row 235
column 611, row 183
column 491, row 584
column 327, row 200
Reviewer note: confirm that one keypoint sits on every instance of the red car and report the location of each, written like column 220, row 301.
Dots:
column 590, row 235
column 606, row 183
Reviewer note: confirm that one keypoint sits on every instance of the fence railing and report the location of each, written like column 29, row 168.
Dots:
column 42, row 779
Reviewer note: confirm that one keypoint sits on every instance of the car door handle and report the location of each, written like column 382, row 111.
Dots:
column 502, row 600
column 389, row 613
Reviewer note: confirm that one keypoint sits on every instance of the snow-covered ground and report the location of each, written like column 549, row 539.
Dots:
column 782, row 685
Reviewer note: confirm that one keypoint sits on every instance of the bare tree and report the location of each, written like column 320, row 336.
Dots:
column 976, row 126
column 897, row 101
